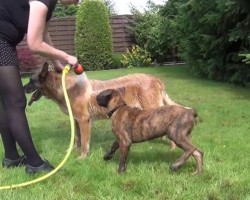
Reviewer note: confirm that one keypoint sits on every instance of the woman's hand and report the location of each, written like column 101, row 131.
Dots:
column 72, row 60
column 58, row 65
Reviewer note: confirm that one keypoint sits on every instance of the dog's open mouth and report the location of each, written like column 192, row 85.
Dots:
column 35, row 96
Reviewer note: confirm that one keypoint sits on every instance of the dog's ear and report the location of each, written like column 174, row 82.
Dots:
column 106, row 93
column 45, row 70
column 121, row 90
column 104, row 97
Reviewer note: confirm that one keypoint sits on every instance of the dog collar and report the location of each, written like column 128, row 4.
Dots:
column 113, row 111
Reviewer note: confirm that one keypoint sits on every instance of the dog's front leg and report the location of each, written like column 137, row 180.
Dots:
column 112, row 151
column 85, row 129
column 124, row 149
column 77, row 136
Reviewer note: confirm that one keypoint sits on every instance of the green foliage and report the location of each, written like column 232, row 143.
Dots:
column 93, row 35
column 137, row 57
column 156, row 30
column 247, row 58
column 64, row 11
column 214, row 33
column 149, row 33
column 117, row 61
column 111, row 7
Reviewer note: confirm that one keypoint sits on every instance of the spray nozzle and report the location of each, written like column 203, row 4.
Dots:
column 78, row 69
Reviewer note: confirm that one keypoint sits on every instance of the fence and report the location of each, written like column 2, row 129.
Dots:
column 62, row 32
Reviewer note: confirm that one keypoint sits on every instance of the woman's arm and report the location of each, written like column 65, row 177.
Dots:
column 47, row 39
column 37, row 33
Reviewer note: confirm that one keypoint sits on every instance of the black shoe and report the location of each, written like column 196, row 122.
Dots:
column 14, row 163
column 45, row 167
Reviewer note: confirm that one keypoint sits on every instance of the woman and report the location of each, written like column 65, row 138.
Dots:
column 17, row 18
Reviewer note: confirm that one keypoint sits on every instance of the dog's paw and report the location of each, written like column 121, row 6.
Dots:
column 174, row 167
column 107, row 156
column 121, row 170
column 196, row 172
column 82, row 157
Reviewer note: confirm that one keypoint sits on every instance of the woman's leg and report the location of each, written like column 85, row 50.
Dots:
column 8, row 141
column 14, row 125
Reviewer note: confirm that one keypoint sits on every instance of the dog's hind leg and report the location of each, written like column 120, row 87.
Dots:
column 112, row 151
column 85, row 130
column 182, row 141
column 198, row 155
column 177, row 164
column 172, row 144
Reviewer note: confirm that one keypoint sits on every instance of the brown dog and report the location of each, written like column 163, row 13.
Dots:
column 141, row 90
column 132, row 125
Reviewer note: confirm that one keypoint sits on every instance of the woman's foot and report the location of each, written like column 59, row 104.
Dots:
column 8, row 163
column 45, row 167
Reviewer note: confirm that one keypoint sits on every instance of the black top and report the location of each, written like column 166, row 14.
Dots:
column 14, row 16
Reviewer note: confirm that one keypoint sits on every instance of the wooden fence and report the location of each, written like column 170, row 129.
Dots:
column 62, row 32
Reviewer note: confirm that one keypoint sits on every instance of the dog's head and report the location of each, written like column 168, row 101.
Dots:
column 111, row 99
column 35, row 84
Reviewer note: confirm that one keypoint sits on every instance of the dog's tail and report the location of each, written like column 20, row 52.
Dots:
column 169, row 102
column 195, row 114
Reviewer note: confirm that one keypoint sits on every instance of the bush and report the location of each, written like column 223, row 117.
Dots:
column 93, row 36
column 26, row 58
column 246, row 58
column 137, row 57
column 63, row 11
column 117, row 61
column 156, row 31
column 214, row 34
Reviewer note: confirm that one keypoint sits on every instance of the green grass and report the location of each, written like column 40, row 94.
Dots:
column 222, row 133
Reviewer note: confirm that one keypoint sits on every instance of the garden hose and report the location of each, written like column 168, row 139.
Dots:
column 72, row 125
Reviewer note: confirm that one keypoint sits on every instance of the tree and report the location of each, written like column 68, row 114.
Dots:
column 214, row 33
column 111, row 7
column 93, row 35
column 152, row 32
column 63, row 11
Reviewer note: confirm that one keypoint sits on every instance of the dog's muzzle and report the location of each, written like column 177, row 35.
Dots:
column 35, row 97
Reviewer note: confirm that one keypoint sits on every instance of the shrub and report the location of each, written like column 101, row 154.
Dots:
column 26, row 58
column 93, row 35
column 214, row 34
column 117, row 61
column 246, row 58
column 63, row 11
column 137, row 57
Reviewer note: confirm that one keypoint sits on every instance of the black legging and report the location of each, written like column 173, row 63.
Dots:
column 13, row 122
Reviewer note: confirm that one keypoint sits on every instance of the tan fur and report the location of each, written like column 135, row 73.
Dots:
column 141, row 90
column 133, row 125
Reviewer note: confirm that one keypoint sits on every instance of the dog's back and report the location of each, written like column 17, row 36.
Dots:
column 141, row 91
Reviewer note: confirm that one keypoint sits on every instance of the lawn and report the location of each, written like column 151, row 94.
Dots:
column 222, row 133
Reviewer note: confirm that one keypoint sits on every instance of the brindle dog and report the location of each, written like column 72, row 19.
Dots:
column 132, row 125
